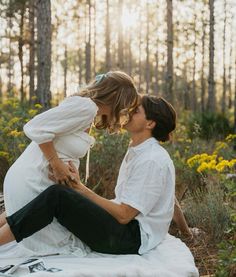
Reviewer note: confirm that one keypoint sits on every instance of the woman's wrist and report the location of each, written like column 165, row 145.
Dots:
column 54, row 160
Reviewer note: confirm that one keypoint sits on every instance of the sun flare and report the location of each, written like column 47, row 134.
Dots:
column 129, row 19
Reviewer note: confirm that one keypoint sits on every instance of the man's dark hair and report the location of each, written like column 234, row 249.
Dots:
column 163, row 113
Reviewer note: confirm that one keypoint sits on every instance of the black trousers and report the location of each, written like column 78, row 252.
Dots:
column 85, row 219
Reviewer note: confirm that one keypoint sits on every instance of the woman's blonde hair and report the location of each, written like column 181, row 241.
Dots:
column 115, row 89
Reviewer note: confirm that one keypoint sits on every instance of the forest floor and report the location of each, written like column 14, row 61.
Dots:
column 204, row 252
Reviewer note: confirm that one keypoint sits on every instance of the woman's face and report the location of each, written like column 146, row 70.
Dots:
column 138, row 120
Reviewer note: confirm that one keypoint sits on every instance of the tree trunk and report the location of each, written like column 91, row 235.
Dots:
column 223, row 100
column 129, row 35
column 1, row 83
column 203, row 84
column 140, row 52
column 95, row 40
column 80, row 66
column 88, row 47
column 44, row 52
column 194, row 97
column 31, row 50
column 147, row 50
column 10, row 61
column 108, row 40
column 20, row 53
column 211, row 104
column 156, row 85
column 230, row 65
column 169, row 74
column 120, row 63
column 235, row 96
column 65, row 65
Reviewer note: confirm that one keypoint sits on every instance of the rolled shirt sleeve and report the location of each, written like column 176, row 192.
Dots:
column 143, row 188
column 74, row 113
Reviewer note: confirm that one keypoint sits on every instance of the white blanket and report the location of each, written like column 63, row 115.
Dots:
column 171, row 258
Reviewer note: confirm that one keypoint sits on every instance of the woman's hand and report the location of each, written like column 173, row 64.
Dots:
column 60, row 171
column 73, row 180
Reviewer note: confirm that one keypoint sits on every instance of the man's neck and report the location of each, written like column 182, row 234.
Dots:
column 137, row 139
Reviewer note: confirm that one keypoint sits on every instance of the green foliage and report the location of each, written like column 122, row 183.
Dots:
column 226, row 264
column 208, row 125
column 207, row 210
column 105, row 160
column 13, row 117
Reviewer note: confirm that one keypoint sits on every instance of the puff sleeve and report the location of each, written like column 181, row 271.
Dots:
column 73, row 114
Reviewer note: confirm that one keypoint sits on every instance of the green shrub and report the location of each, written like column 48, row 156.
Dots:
column 13, row 117
column 105, row 160
column 226, row 264
column 209, row 125
column 206, row 209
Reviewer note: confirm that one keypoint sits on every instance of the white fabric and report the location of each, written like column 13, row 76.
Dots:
column 171, row 258
column 146, row 182
column 28, row 176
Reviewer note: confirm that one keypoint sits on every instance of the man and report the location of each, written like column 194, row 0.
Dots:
column 138, row 219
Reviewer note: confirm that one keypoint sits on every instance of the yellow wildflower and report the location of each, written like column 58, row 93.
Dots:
column 38, row 106
column 203, row 166
column 21, row 145
column 15, row 133
column 32, row 112
column 230, row 137
column 4, row 154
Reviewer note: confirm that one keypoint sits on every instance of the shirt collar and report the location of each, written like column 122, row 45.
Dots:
column 143, row 145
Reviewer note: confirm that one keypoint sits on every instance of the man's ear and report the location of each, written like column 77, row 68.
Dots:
column 151, row 124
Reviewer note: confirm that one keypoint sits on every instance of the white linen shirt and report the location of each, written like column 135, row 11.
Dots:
column 146, row 182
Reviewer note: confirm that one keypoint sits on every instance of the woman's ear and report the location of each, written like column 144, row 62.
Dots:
column 151, row 124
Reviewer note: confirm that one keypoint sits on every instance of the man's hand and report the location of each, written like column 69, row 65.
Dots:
column 73, row 180
column 60, row 171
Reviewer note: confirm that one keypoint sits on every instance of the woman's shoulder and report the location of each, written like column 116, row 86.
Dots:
column 80, row 101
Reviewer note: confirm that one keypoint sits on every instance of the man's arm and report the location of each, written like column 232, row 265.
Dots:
column 180, row 221
column 123, row 213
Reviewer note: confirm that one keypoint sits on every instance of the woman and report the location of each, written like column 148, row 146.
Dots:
column 138, row 219
column 60, row 135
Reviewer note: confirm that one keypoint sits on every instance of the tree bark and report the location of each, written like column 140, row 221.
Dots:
column 223, row 100
column 65, row 65
column 31, row 50
column 44, row 52
column 120, row 36
column 169, row 74
column 147, row 50
column 95, row 40
column 108, row 53
column 140, row 51
column 194, row 97
column 10, row 61
column 235, row 98
column 20, row 48
column 230, row 103
column 211, row 104
column 203, row 84
column 88, row 46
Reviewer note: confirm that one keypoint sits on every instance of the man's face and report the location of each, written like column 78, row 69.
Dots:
column 138, row 121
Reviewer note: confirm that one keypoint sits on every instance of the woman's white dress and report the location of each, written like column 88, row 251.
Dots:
column 66, row 126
